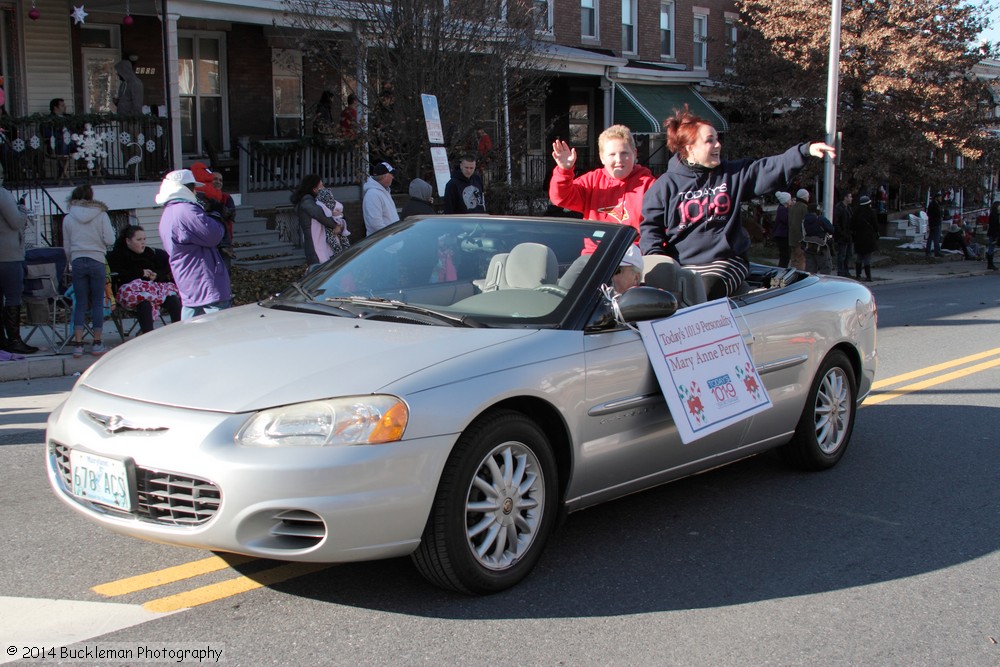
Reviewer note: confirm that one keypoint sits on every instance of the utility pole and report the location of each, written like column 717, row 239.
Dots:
column 832, row 95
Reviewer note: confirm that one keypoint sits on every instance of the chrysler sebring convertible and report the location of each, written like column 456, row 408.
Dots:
column 444, row 390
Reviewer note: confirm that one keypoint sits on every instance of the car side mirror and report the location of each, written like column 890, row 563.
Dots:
column 643, row 303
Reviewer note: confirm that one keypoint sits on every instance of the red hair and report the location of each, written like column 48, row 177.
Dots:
column 682, row 130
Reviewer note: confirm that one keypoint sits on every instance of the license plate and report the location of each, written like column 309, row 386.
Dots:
column 100, row 479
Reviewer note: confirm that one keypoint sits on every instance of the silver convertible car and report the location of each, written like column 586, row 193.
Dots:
column 444, row 390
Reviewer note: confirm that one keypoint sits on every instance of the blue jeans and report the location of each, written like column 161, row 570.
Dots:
column 933, row 236
column 89, row 276
column 844, row 252
column 11, row 283
column 187, row 312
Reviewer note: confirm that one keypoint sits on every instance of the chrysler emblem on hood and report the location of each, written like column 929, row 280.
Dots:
column 117, row 423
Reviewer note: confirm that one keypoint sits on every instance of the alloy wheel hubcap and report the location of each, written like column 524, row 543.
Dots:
column 833, row 409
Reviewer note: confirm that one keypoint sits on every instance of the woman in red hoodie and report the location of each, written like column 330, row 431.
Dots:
column 612, row 193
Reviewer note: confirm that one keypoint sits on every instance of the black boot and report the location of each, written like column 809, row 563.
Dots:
column 989, row 263
column 12, row 332
column 857, row 271
column 868, row 274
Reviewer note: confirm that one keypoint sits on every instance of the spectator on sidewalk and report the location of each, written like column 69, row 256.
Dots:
column 421, row 194
column 377, row 205
column 864, row 229
column 13, row 220
column 464, row 192
column 842, row 235
column 796, row 215
column 779, row 232
column 816, row 240
column 993, row 235
column 87, row 235
column 307, row 210
column 934, row 217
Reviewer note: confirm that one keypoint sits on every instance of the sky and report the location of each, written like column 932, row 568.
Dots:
column 993, row 33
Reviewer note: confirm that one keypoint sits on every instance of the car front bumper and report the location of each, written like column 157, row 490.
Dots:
column 192, row 485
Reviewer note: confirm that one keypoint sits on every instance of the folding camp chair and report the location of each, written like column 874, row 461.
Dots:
column 49, row 311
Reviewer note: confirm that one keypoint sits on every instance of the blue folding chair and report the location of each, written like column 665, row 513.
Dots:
column 48, row 309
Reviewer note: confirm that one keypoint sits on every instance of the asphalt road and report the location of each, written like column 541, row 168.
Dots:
column 888, row 559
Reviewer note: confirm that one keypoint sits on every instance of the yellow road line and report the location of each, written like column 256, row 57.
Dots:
column 882, row 397
column 231, row 587
column 169, row 575
column 934, row 369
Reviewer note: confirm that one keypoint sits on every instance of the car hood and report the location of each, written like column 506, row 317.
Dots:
column 251, row 358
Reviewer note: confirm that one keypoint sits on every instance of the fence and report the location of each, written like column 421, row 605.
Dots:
column 68, row 149
column 279, row 164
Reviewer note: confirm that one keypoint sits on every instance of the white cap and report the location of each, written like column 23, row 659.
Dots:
column 802, row 194
column 783, row 197
column 632, row 257
column 182, row 176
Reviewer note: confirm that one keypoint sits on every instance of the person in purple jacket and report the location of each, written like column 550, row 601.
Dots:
column 191, row 238
column 692, row 211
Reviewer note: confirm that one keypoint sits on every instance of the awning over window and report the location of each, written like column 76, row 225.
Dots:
column 644, row 108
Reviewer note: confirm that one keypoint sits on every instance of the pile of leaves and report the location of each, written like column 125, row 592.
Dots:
column 251, row 286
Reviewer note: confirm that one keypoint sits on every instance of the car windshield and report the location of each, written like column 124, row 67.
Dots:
column 458, row 270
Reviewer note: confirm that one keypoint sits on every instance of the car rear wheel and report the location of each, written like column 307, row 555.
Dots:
column 824, row 429
column 494, row 508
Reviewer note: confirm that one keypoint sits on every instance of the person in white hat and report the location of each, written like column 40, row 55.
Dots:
column 191, row 238
column 629, row 272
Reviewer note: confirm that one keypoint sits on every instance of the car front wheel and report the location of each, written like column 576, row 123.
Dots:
column 494, row 508
column 824, row 429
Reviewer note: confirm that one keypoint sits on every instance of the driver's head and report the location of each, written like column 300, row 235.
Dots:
column 629, row 272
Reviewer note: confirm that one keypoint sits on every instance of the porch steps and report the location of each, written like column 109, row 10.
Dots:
column 259, row 248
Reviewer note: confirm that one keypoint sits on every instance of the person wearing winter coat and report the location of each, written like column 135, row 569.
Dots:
column 129, row 99
column 464, row 192
column 992, row 235
column 87, row 234
column 307, row 210
column 779, row 232
column 143, row 276
column 13, row 220
column 842, row 235
column 327, row 242
column 191, row 238
column 377, row 205
column 421, row 193
column 692, row 211
column 864, row 230
column 817, row 237
column 796, row 216
column 612, row 193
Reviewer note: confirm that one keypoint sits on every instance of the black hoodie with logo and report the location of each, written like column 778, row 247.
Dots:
column 693, row 214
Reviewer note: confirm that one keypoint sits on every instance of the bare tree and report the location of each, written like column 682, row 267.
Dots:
column 907, row 109
column 476, row 56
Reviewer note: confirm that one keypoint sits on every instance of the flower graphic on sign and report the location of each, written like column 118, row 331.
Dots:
column 749, row 377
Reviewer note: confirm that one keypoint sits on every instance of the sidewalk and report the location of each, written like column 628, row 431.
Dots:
column 46, row 364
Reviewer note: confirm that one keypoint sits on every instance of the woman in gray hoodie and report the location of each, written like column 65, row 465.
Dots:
column 87, row 233
column 13, row 220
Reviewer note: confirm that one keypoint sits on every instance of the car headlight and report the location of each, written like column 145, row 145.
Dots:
column 351, row 420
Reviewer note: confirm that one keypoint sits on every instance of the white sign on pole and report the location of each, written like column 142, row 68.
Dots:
column 442, row 172
column 704, row 369
column 432, row 116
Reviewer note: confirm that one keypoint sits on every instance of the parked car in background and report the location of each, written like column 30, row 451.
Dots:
column 440, row 390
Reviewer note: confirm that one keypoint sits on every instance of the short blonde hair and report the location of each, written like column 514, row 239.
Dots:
column 616, row 132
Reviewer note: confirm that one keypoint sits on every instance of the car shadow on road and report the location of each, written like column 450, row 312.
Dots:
column 899, row 504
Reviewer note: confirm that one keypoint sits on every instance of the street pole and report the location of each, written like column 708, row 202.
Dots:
column 832, row 93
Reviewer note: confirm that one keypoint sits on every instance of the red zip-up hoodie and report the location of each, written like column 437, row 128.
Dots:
column 600, row 196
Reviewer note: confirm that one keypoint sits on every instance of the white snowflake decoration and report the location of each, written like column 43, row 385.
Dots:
column 89, row 146
column 125, row 138
column 159, row 131
column 140, row 139
column 18, row 145
column 150, row 146
column 35, row 142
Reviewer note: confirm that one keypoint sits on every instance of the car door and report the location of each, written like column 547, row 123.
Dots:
column 628, row 439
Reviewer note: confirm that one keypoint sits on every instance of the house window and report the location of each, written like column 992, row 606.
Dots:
column 201, row 84
column 667, row 29
column 628, row 26
column 286, row 77
column 588, row 19
column 731, row 36
column 700, row 54
column 543, row 16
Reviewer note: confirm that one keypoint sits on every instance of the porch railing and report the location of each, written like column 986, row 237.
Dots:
column 279, row 164
column 74, row 149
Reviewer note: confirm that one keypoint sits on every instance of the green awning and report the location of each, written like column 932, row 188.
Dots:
column 644, row 108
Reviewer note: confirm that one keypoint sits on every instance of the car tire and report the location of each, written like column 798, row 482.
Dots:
column 494, row 508
column 824, row 429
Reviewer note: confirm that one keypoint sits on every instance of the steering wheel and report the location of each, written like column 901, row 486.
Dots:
column 553, row 289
